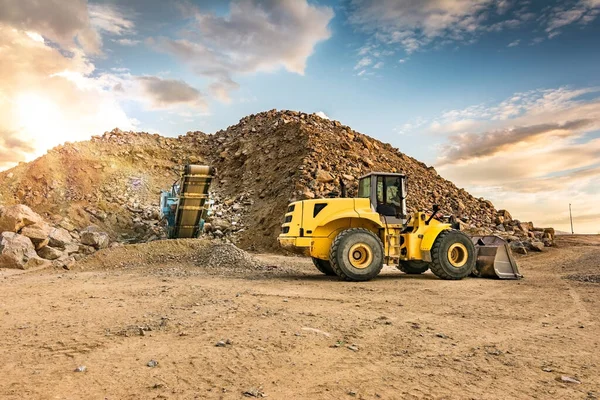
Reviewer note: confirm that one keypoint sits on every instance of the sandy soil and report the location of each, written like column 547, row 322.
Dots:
column 290, row 333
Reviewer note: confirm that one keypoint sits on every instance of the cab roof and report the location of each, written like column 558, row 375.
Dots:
column 383, row 174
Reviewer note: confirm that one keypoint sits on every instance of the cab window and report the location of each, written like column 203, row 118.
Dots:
column 380, row 190
column 389, row 195
column 364, row 187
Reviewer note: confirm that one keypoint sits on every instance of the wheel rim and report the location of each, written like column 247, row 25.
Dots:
column 360, row 256
column 458, row 255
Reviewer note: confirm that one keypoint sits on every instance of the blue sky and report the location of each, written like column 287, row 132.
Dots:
column 434, row 79
column 501, row 96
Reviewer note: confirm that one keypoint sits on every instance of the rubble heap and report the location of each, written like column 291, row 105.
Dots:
column 269, row 159
column 263, row 162
column 112, row 181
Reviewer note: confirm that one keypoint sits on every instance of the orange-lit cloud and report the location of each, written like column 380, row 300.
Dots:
column 49, row 91
column 40, row 105
column 533, row 154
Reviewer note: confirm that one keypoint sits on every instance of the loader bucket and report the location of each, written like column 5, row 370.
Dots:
column 494, row 258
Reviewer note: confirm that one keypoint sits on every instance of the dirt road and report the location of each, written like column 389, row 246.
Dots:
column 290, row 333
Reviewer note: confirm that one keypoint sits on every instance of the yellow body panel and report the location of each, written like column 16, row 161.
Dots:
column 311, row 226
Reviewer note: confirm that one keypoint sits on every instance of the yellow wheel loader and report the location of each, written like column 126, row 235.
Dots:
column 353, row 237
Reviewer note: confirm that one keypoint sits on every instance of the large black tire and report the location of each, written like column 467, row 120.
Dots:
column 413, row 267
column 324, row 266
column 356, row 254
column 453, row 255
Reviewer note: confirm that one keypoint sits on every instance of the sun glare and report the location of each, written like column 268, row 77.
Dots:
column 39, row 119
column 35, row 36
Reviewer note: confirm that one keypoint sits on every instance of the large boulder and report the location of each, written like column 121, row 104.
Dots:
column 92, row 236
column 86, row 250
column 17, row 251
column 504, row 216
column 16, row 217
column 524, row 226
column 38, row 233
column 71, row 248
column 49, row 253
column 324, row 176
column 59, row 238
column 536, row 245
column 518, row 247
column 221, row 224
column 549, row 233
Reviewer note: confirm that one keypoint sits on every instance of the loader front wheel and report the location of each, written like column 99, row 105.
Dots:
column 414, row 267
column 452, row 255
column 324, row 266
column 356, row 255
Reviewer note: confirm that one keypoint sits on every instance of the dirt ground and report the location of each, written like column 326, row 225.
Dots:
column 288, row 332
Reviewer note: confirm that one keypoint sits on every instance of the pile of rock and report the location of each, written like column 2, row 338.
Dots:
column 27, row 241
column 228, row 215
column 263, row 162
column 522, row 236
column 274, row 157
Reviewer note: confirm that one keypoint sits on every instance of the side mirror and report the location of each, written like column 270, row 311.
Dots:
column 436, row 208
column 342, row 187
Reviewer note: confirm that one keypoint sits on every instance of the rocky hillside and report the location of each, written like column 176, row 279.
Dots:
column 263, row 162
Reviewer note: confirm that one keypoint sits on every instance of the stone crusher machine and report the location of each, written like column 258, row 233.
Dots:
column 185, row 206
column 353, row 237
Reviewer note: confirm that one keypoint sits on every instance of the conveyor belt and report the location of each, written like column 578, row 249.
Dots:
column 193, row 196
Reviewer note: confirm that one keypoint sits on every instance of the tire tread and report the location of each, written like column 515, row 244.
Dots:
column 436, row 264
column 327, row 270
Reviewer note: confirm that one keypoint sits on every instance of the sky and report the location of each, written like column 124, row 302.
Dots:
column 501, row 96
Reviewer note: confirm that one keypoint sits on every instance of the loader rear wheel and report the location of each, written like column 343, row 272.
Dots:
column 452, row 255
column 414, row 267
column 356, row 255
column 324, row 266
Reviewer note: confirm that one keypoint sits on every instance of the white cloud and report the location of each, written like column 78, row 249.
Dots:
column 322, row 115
column 168, row 93
column 411, row 126
column 378, row 65
column 363, row 62
column 502, row 6
column 254, row 36
column 581, row 12
column 364, row 50
column 414, row 24
column 514, row 43
column 537, row 40
column 35, row 36
column 110, row 19
column 534, row 106
column 65, row 22
column 127, row 42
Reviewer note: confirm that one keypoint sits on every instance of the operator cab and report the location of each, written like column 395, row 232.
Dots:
column 387, row 192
